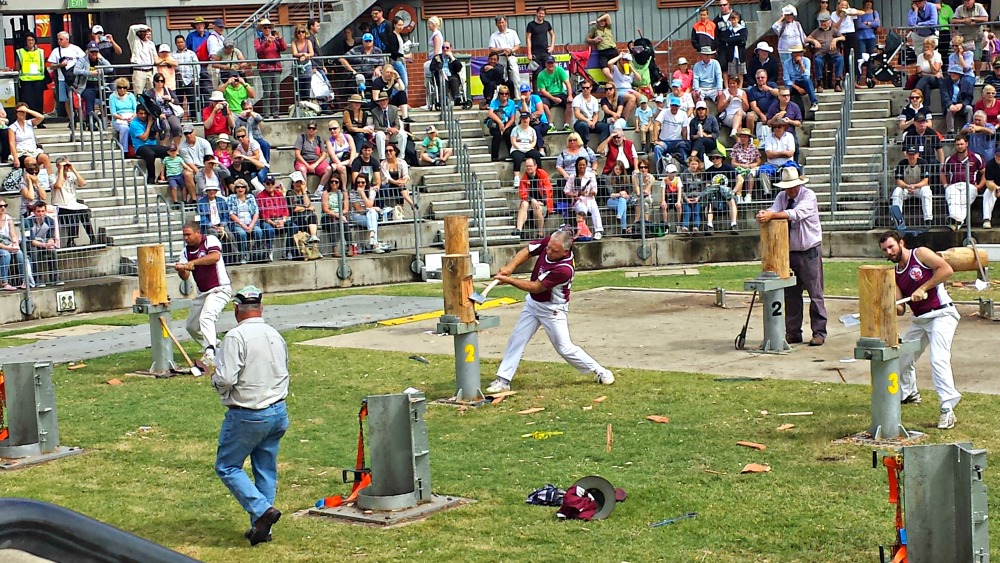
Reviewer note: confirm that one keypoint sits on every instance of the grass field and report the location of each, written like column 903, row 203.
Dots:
column 820, row 502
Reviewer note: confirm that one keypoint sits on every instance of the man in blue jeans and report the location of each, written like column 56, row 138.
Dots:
column 800, row 75
column 671, row 127
column 251, row 376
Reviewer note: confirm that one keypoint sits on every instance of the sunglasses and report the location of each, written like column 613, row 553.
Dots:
column 241, row 136
column 446, row 48
column 4, row 206
column 120, row 88
column 311, row 128
column 503, row 94
column 160, row 80
column 587, row 87
column 334, row 128
column 643, row 168
column 300, row 33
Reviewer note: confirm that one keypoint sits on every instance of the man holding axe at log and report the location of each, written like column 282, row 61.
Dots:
column 921, row 275
column 202, row 260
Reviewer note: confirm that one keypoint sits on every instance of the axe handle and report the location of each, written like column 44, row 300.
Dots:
column 187, row 358
column 489, row 287
column 903, row 300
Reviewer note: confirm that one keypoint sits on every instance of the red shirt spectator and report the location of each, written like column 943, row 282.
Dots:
column 217, row 117
column 992, row 110
column 269, row 46
column 537, row 187
column 272, row 205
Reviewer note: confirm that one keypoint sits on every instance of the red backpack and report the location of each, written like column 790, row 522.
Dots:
column 202, row 51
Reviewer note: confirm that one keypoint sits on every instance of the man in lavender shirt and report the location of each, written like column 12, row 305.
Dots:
column 797, row 204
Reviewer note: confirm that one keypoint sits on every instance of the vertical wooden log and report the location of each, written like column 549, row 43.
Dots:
column 152, row 273
column 456, row 234
column 456, row 275
column 774, row 248
column 877, row 300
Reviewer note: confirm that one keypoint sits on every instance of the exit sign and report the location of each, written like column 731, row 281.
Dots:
column 76, row 4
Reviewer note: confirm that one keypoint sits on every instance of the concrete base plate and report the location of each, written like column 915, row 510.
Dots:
column 387, row 519
column 866, row 439
column 21, row 462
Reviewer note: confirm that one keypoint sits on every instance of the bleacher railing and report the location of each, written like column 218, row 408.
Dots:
column 840, row 137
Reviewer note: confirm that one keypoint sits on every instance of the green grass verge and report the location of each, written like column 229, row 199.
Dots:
column 819, row 503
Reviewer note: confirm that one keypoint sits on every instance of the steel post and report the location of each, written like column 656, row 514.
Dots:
column 467, row 376
column 160, row 344
column 771, row 287
column 884, row 359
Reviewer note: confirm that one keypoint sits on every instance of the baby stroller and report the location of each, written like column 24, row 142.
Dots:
column 578, row 61
column 644, row 61
column 879, row 67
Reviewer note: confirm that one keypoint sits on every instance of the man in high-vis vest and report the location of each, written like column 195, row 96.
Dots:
column 31, row 73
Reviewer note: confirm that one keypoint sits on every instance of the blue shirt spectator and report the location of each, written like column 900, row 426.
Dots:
column 707, row 75
column 137, row 127
column 924, row 16
column 981, row 135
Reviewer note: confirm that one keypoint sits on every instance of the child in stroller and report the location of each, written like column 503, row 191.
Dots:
column 878, row 68
column 644, row 64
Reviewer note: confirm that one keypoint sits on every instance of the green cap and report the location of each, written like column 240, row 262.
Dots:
column 249, row 295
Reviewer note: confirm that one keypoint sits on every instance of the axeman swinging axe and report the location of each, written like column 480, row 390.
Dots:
column 853, row 319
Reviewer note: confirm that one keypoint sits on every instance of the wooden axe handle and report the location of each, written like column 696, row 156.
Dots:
column 489, row 288
column 187, row 358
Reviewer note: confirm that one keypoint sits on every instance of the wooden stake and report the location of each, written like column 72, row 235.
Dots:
column 774, row 248
column 877, row 298
column 456, row 277
column 152, row 273
column 611, row 438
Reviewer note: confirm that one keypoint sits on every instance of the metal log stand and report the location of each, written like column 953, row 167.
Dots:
column 774, row 277
column 153, row 301
column 460, row 319
column 29, row 423
column 400, row 453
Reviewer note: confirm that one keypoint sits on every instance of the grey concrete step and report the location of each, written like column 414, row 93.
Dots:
column 857, row 114
column 835, row 105
column 822, row 176
column 821, row 158
column 851, row 149
column 456, row 195
column 833, row 123
column 462, row 206
column 858, row 139
column 825, row 133
column 450, row 182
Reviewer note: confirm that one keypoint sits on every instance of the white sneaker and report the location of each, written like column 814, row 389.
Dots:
column 498, row 386
column 372, row 242
column 747, row 199
column 598, row 235
column 814, row 108
column 947, row 419
column 314, row 238
column 987, row 225
column 604, row 377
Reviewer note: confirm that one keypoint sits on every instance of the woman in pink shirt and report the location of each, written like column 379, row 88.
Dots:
column 988, row 104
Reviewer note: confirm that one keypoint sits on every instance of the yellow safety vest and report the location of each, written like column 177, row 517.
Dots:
column 31, row 61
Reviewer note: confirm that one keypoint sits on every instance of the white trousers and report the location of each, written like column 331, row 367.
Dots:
column 590, row 206
column 205, row 312
column 554, row 320
column 400, row 141
column 899, row 195
column 959, row 197
column 989, row 201
column 936, row 328
column 513, row 72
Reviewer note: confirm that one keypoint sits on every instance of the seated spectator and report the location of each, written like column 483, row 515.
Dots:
column 962, row 57
column 253, row 122
column 192, row 151
column 963, row 177
column 452, row 69
column 672, row 134
column 535, row 192
column 587, row 114
column 912, row 180
column 684, row 74
column 779, row 146
column 733, row 104
column 170, row 124
column 928, row 76
column 532, row 105
column 581, row 189
column 623, row 82
column 70, row 211
column 644, row 123
column 394, row 192
column 703, row 131
column 761, row 96
column 687, row 101
column 392, row 85
column 310, row 158
column 216, row 117
column 432, row 149
column 146, row 147
column 800, row 77
column 522, row 144
column 787, row 112
column 642, row 195
column 21, row 136
column 619, row 182
column 764, row 61
column 994, row 78
column 357, row 121
column 303, row 214
column 746, row 160
column 914, row 106
column 211, row 175
column 364, row 60
column 43, row 240
column 566, row 160
column 613, row 111
column 244, row 218
column 240, row 169
column 365, row 165
column 493, row 75
column 341, row 150
column 926, row 139
column 173, row 169
column 34, row 186
column 707, row 76
column 981, row 136
column 825, row 41
column 274, row 220
column 718, row 194
column 989, row 106
column 388, row 126
column 10, row 250
column 957, row 94
column 251, row 152
column 122, row 105
column 213, row 213
column 364, row 212
column 671, row 195
column 990, row 194
column 693, row 181
column 500, row 120
column 618, row 149
column 223, row 151
column 334, row 207
column 555, row 90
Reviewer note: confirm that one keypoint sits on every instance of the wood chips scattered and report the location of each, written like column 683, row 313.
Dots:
column 532, row 410
column 114, row 382
column 611, row 438
column 76, row 366
column 601, row 399
column 753, row 445
column 755, row 468
column 658, row 418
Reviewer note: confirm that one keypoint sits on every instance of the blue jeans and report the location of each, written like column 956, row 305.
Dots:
column 620, row 206
column 269, row 233
column 241, row 237
column 867, row 46
column 692, row 214
column 400, row 67
column 661, row 148
column 838, row 64
column 5, row 259
column 265, row 149
column 807, row 85
column 601, row 128
column 786, row 63
column 253, row 434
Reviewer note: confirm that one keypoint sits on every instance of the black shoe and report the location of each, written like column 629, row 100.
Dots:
column 793, row 339
column 928, row 223
column 516, row 233
column 262, row 528
column 249, row 533
column 40, row 126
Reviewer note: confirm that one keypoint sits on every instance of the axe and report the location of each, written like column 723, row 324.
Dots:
column 853, row 319
column 480, row 298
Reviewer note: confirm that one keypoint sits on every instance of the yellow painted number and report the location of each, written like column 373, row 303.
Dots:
column 470, row 353
column 893, row 384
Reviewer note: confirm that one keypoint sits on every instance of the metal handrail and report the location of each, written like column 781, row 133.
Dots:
column 159, row 223
column 683, row 24
column 840, row 139
column 135, row 193
column 250, row 23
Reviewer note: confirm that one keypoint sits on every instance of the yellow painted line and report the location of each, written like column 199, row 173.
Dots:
column 435, row 314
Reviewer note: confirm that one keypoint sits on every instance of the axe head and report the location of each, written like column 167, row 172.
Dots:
column 477, row 298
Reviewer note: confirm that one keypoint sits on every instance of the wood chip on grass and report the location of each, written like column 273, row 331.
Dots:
column 784, row 427
column 755, row 468
column 753, row 445
column 532, row 410
column 658, row 418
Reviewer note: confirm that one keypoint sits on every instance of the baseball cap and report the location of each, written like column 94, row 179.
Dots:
column 524, row 87
column 921, row 116
column 659, row 99
column 228, row 43
column 212, row 187
column 674, row 101
column 823, row 18
column 218, row 22
column 699, row 105
column 671, row 168
column 715, row 154
column 209, row 158
column 249, row 295
column 913, row 149
column 187, row 128
column 525, row 115
column 551, row 59
column 643, row 99
column 368, row 37
column 676, row 83
column 431, row 129
column 296, row 177
column 788, row 10
column 172, row 148
column 996, row 62
column 269, row 179
column 97, row 29
column 93, row 47
column 163, row 48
